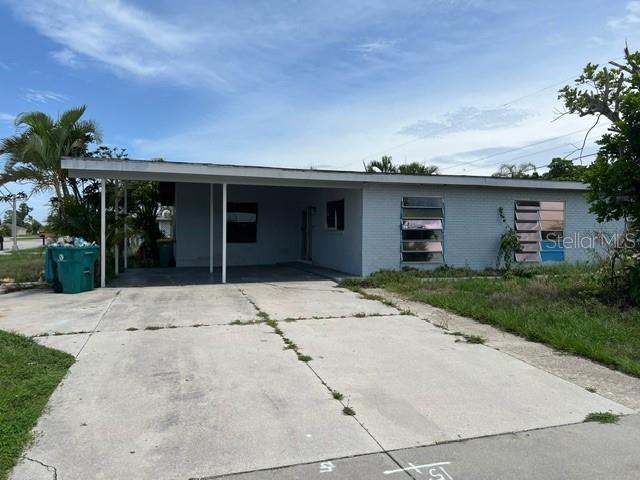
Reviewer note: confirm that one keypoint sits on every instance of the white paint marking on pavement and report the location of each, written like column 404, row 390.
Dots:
column 416, row 468
column 327, row 467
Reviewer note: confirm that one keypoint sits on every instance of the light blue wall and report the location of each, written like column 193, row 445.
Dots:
column 472, row 226
column 372, row 236
column 279, row 237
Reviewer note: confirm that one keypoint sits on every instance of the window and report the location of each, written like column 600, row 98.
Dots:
column 335, row 215
column 242, row 222
column 422, row 230
column 540, row 229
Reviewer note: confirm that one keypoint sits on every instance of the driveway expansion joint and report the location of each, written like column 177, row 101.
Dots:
column 355, row 418
column 102, row 315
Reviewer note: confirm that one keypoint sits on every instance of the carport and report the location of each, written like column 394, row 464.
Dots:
column 235, row 216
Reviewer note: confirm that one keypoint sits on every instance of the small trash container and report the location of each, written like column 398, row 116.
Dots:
column 165, row 250
column 74, row 267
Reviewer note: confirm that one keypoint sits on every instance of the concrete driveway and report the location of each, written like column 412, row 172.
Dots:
column 184, row 382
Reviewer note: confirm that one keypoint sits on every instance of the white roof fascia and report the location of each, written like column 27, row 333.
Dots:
column 125, row 169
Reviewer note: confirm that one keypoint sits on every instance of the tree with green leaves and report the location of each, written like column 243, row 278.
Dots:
column 384, row 165
column 564, row 169
column 23, row 219
column 613, row 92
column 34, row 154
column 418, row 168
column 511, row 170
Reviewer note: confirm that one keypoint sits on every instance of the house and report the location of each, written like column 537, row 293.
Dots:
column 358, row 222
column 20, row 231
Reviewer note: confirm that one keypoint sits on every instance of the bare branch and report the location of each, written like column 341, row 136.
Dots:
column 584, row 141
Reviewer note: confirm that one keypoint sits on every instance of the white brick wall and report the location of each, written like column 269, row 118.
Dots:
column 472, row 226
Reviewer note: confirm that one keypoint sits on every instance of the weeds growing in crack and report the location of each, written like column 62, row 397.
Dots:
column 469, row 338
column 153, row 327
column 336, row 395
column 246, row 322
column 131, row 329
column 291, row 345
column 347, row 410
column 602, row 417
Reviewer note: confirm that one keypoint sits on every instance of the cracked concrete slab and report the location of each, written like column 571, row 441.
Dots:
column 412, row 384
column 35, row 312
column 71, row 343
column 33, row 469
column 311, row 299
column 189, row 402
column 612, row 384
column 178, row 306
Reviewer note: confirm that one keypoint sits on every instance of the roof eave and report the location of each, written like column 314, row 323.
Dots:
column 125, row 169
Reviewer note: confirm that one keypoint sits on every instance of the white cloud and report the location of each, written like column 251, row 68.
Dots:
column 466, row 118
column 628, row 21
column 376, row 46
column 7, row 117
column 42, row 96
column 123, row 37
column 65, row 57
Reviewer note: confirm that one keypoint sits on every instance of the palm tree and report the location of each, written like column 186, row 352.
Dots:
column 418, row 168
column 384, row 165
column 511, row 170
column 34, row 154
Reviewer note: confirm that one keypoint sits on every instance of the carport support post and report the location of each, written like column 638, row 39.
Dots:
column 211, row 228
column 125, row 247
column 103, row 234
column 224, row 233
column 116, row 258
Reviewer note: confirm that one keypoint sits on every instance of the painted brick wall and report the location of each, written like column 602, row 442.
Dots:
column 472, row 226
column 279, row 237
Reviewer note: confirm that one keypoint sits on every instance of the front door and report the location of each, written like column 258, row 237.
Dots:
column 306, row 234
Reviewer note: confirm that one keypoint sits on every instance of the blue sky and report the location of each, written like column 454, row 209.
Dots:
column 328, row 84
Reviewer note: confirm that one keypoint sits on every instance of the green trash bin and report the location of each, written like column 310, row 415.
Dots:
column 165, row 250
column 74, row 267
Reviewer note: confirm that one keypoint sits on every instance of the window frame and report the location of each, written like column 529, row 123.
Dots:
column 231, row 231
column 432, row 251
column 339, row 205
column 532, row 227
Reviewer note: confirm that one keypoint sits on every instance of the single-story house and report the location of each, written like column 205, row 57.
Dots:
column 356, row 222
column 20, row 231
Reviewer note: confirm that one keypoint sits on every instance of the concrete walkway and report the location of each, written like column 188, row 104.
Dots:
column 186, row 382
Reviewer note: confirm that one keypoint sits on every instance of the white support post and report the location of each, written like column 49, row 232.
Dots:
column 103, row 233
column 14, row 226
column 116, row 257
column 224, row 233
column 125, row 247
column 211, row 228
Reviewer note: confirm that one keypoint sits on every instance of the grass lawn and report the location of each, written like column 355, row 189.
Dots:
column 22, row 266
column 29, row 373
column 561, row 310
